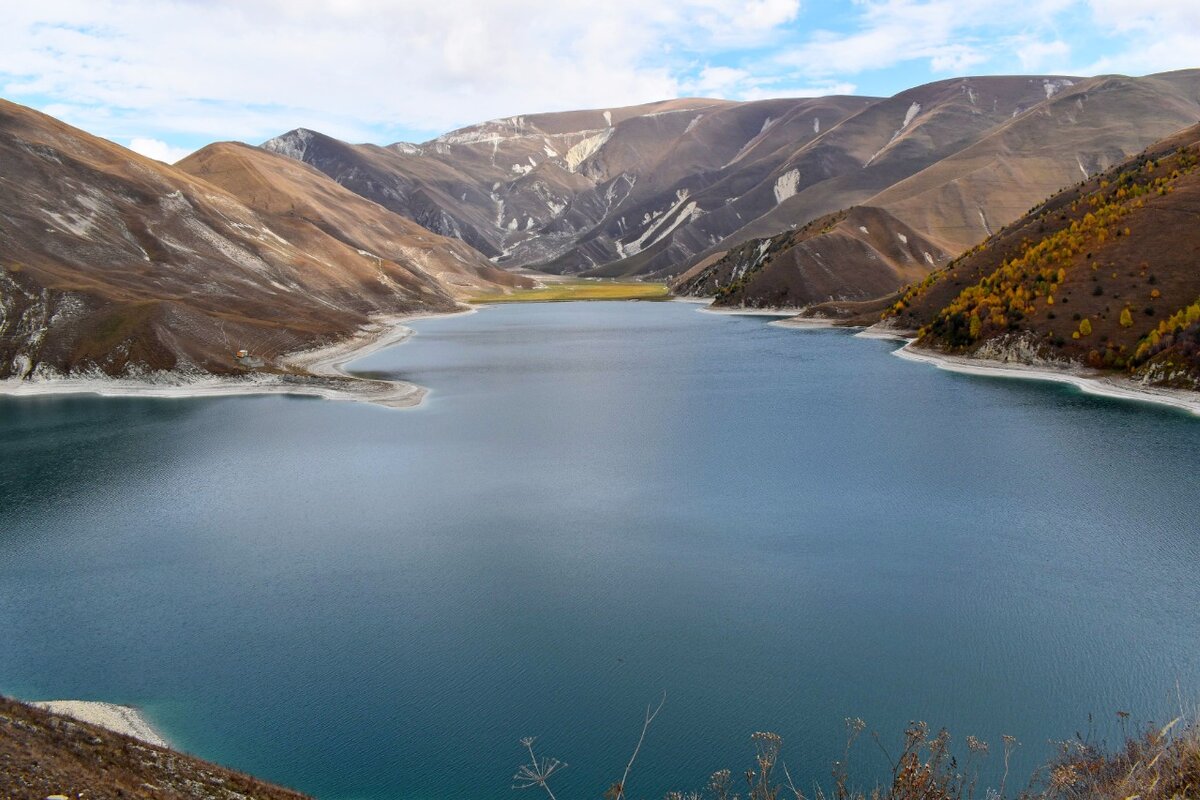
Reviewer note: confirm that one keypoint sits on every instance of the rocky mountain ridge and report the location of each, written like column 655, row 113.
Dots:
column 656, row 190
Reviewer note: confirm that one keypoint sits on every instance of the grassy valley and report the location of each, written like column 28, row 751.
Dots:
column 560, row 291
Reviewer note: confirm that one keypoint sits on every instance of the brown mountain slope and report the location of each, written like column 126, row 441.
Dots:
column 847, row 164
column 1014, row 152
column 657, row 189
column 856, row 254
column 116, row 264
column 1079, row 131
column 1106, row 274
column 309, row 209
column 44, row 754
column 575, row 190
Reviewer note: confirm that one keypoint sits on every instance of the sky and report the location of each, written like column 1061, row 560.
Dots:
column 166, row 77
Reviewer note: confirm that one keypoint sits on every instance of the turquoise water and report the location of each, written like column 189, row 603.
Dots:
column 598, row 503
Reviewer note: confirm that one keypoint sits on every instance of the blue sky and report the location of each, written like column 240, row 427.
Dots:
column 169, row 76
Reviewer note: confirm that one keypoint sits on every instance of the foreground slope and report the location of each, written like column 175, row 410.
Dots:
column 1105, row 275
column 44, row 754
column 114, row 264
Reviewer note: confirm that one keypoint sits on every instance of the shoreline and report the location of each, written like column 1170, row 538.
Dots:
column 807, row 323
column 324, row 364
column 126, row 720
column 748, row 312
column 1097, row 384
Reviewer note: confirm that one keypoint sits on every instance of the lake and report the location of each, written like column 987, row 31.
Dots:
column 599, row 503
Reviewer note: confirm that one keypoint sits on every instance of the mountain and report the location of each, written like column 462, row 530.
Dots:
column 1077, row 128
column 1103, row 275
column 116, row 264
column 319, row 215
column 571, row 191
column 664, row 189
column 862, row 252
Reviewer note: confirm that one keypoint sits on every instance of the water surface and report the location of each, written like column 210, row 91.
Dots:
column 598, row 503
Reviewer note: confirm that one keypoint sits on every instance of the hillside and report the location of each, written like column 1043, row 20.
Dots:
column 660, row 189
column 1104, row 275
column 44, row 755
column 859, row 253
column 319, row 215
column 114, row 264
column 575, row 190
column 1078, row 128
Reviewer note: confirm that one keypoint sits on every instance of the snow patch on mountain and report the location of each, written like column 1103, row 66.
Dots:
column 657, row 232
column 1054, row 87
column 786, row 185
column 909, row 116
column 585, row 149
column 758, row 137
column 983, row 221
column 292, row 144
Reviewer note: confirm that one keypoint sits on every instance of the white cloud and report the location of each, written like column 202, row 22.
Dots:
column 250, row 69
column 951, row 37
column 157, row 149
column 1043, row 55
column 1149, row 36
column 196, row 70
column 719, row 81
column 824, row 90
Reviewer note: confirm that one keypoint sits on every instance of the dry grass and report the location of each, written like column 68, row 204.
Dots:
column 579, row 290
column 1157, row 764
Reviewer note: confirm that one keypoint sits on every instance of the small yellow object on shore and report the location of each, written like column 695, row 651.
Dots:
column 242, row 353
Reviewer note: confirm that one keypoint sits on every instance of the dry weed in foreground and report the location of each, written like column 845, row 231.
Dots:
column 1158, row 764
